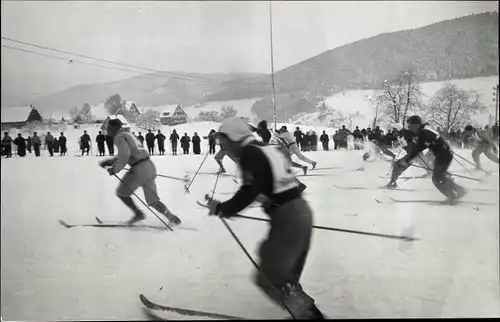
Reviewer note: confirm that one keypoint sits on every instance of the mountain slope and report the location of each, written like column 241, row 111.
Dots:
column 465, row 47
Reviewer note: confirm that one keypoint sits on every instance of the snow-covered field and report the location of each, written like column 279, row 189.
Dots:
column 53, row 273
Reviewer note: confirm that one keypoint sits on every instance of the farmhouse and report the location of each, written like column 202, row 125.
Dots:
column 172, row 115
column 19, row 116
column 131, row 107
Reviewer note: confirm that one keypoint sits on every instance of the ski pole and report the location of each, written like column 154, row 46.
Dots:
column 250, row 256
column 461, row 157
column 452, row 174
column 407, row 238
column 117, row 177
column 196, row 173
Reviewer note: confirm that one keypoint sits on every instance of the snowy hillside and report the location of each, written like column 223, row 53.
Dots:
column 54, row 273
column 356, row 101
column 244, row 107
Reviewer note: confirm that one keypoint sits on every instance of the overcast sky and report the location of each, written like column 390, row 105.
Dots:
column 192, row 36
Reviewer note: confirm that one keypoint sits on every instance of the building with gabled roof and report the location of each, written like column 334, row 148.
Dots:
column 19, row 116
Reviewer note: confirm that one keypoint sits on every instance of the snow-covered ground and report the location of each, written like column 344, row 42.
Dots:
column 53, row 273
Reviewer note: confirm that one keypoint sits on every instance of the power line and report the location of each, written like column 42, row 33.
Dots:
column 109, row 61
column 95, row 65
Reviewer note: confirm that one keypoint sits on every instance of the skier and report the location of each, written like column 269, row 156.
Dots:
column 283, row 254
column 100, row 140
column 7, row 145
column 428, row 138
column 292, row 146
column 486, row 145
column 150, row 142
column 220, row 156
column 142, row 173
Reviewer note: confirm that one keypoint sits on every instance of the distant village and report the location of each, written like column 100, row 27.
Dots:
column 21, row 116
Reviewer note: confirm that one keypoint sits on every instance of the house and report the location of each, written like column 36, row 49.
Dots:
column 19, row 116
column 131, row 107
column 172, row 115
column 122, row 118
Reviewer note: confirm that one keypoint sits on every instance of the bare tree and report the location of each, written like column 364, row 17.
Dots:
column 150, row 118
column 113, row 103
column 398, row 97
column 453, row 107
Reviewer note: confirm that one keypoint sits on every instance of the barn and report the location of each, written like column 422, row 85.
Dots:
column 19, row 116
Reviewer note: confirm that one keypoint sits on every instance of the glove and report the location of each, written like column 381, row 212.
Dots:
column 213, row 206
column 111, row 171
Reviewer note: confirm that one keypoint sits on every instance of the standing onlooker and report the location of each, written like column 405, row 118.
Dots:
column 110, row 143
column 48, row 143
column 55, row 145
column 85, row 142
column 185, row 143
column 36, row 144
column 28, row 143
column 160, row 138
column 211, row 141
column 100, row 140
column 141, row 138
column 62, row 143
column 324, row 140
column 336, row 140
column 196, row 143
column 150, row 142
column 21, row 145
column 298, row 138
column 314, row 141
column 7, row 145
column 174, row 137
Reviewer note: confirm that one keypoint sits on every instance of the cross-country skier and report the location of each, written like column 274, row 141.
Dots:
column 427, row 138
column 486, row 145
column 220, row 156
column 142, row 173
column 292, row 146
column 283, row 254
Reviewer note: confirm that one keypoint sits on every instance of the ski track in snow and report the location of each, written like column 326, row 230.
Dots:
column 53, row 273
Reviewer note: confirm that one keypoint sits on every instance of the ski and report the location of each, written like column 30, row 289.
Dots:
column 205, row 206
column 157, row 307
column 115, row 225
column 370, row 188
column 445, row 202
column 99, row 221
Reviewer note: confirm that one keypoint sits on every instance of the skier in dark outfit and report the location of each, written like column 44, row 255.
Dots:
column 266, row 171
column 426, row 138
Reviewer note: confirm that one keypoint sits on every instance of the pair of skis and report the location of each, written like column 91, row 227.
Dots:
column 100, row 224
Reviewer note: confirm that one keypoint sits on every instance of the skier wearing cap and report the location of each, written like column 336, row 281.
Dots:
column 486, row 145
column 427, row 138
column 266, row 171
column 292, row 146
column 142, row 173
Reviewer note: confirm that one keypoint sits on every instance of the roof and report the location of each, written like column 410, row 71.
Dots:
column 15, row 114
column 162, row 109
column 128, row 105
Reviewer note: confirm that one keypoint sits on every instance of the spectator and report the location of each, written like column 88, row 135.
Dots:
column 85, row 142
column 185, row 143
column 196, row 143
column 298, row 137
column 36, row 144
column 28, row 143
column 21, row 145
column 100, row 140
column 160, row 138
column 7, row 145
column 110, row 143
column 62, row 143
column 211, row 141
column 48, row 143
column 174, row 137
column 324, row 140
column 150, row 142
column 314, row 141
column 140, row 138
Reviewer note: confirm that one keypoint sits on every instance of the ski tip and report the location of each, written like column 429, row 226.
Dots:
column 62, row 222
column 98, row 220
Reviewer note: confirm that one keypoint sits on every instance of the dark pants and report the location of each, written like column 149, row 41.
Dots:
column 161, row 148
column 85, row 148
column 36, row 148
column 151, row 149
column 111, row 149
column 283, row 254
column 325, row 146
column 50, row 149
column 211, row 149
column 100, row 147
column 63, row 149
column 196, row 148
column 174, row 148
column 185, row 149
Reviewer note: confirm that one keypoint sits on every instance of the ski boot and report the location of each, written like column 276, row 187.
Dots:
column 138, row 217
column 173, row 220
column 221, row 170
column 314, row 165
column 392, row 185
column 304, row 168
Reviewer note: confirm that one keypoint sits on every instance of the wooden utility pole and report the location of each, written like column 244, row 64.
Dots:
column 495, row 99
